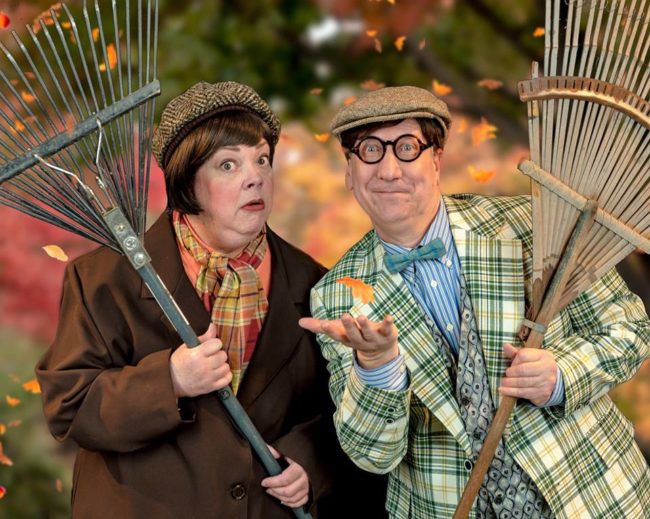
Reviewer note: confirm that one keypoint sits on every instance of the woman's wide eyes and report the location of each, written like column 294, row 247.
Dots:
column 227, row 165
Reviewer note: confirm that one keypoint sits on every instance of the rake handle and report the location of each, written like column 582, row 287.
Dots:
column 140, row 260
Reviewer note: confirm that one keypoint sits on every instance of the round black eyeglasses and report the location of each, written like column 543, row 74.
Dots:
column 406, row 148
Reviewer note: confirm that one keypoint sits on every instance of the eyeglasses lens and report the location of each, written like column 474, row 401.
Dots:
column 406, row 148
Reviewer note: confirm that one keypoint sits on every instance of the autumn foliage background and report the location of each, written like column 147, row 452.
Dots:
column 307, row 58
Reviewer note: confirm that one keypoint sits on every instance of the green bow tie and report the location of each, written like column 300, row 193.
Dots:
column 397, row 262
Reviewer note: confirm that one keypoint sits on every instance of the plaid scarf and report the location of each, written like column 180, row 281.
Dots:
column 235, row 293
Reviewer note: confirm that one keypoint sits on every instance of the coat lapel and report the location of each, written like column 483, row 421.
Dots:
column 493, row 270
column 429, row 376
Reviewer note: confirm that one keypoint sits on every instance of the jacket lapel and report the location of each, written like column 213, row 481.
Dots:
column 429, row 376
column 493, row 270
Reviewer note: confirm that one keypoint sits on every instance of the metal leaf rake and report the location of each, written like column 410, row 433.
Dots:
column 77, row 101
column 589, row 131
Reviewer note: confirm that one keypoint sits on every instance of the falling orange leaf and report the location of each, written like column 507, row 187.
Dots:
column 316, row 91
column 56, row 252
column 371, row 33
column 462, row 126
column 4, row 21
column 15, row 423
column 483, row 132
column 359, row 289
column 321, row 137
column 392, row 2
column 27, row 97
column 58, row 485
column 3, row 491
column 18, row 128
column 377, row 45
column 349, row 100
column 112, row 58
column 4, row 459
column 66, row 25
column 3, row 429
column 480, row 175
column 490, row 84
column 95, row 34
column 422, row 44
column 441, row 89
column 11, row 401
column 399, row 42
column 371, row 84
column 32, row 386
column 539, row 32
column 70, row 124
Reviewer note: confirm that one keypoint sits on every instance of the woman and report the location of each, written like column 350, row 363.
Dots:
column 154, row 440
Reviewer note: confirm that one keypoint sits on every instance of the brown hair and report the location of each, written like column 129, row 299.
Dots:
column 229, row 128
column 431, row 131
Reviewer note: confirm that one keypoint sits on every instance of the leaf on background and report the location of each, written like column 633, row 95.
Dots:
column 58, row 485
column 322, row 137
column 462, row 126
column 371, row 84
column 32, row 386
column 377, row 45
column 359, row 289
column 480, row 175
column 4, row 21
column 70, row 124
column 490, row 84
column 392, row 2
column 56, row 252
column 15, row 423
column 349, row 100
column 13, row 377
column 18, row 128
column 4, row 459
column 3, row 491
column 440, row 89
column 422, row 44
column 316, row 91
column 371, row 33
column 12, row 402
column 66, row 25
column 27, row 97
column 95, row 34
column 3, row 429
column 539, row 32
column 399, row 42
column 112, row 58
column 483, row 132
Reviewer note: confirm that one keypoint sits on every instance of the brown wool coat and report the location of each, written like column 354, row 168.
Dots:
column 106, row 386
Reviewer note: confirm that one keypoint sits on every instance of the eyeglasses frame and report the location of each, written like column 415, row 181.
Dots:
column 423, row 146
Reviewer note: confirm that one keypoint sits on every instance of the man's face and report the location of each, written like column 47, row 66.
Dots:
column 401, row 198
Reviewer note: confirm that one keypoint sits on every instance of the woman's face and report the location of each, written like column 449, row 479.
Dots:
column 234, row 189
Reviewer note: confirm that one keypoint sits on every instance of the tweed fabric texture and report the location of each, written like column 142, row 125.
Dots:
column 238, row 303
column 392, row 104
column 201, row 102
column 581, row 456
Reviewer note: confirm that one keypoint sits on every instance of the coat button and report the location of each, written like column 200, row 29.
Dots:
column 238, row 491
column 468, row 465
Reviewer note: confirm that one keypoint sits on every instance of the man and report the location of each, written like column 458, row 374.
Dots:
column 417, row 373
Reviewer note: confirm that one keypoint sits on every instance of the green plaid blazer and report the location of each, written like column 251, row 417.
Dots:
column 582, row 455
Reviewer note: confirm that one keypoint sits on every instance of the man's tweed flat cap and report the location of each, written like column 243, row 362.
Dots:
column 200, row 103
column 392, row 104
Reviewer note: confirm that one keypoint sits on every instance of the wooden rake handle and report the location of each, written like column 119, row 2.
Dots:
column 548, row 310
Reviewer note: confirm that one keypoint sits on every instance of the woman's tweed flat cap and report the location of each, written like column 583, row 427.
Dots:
column 200, row 103
column 392, row 104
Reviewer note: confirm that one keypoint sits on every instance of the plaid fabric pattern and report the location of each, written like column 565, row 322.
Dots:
column 582, row 456
column 235, row 293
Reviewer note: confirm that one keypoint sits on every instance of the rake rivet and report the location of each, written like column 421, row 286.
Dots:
column 130, row 243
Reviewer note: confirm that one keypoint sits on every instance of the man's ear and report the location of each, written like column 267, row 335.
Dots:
column 348, row 174
column 437, row 157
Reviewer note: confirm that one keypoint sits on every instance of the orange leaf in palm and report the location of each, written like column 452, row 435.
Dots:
column 360, row 290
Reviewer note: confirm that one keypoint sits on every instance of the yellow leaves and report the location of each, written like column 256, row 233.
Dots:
column 483, row 132
column 539, row 32
column 95, row 34
column 56, row 252
column 32, row 386
column 481, row 175
column 4, row 21
column 490, row 84
column 3, row 429
column 440, row 89
column 322, row 137
column 27, row 97
column 316, row 91
column 4, row 459
column 349, row 100
column 112, row 58
column 371, row 33
column 11, row 401
column 462, row 126
column 18, row 128
column 371, row 84
column 360, row 290
column 378, row 45
column 399, row 42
